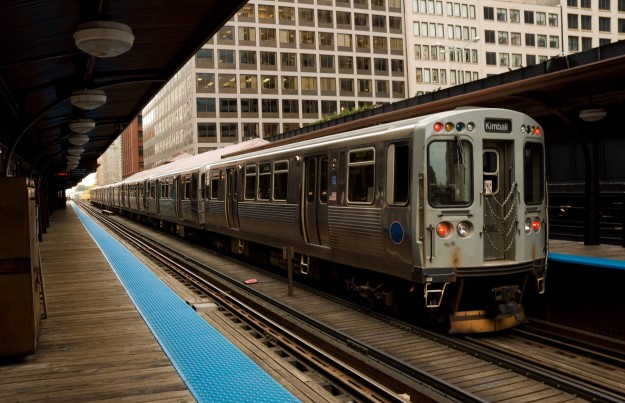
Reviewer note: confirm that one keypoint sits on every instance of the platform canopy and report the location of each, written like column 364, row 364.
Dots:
column 44, row 73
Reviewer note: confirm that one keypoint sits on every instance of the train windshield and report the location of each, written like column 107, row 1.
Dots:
column 534, row 173
column 450, row 173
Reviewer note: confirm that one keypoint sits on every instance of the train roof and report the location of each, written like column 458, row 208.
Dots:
column 194, row 161
column 385, row 128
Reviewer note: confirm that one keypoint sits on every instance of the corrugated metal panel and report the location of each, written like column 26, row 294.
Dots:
column 357, row 228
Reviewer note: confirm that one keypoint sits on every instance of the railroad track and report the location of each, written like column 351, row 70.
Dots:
column 401, row 357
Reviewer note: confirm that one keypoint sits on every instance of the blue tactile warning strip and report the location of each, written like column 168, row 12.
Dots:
column 211, row 366
column 587, row 261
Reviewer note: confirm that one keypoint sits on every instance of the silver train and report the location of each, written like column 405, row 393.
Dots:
column 444, row 214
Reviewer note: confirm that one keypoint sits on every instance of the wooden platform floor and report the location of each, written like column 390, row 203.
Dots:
column 579, row 249
column 94, row 345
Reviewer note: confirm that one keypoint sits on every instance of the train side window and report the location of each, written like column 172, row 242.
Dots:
column 280, row 180
column 398, row 174
column 490, row 160
column 214, row 185
column 202, row 189
column 187, row 188
column 323, row 180
column 250, row 182
column 311, row 171
column 264, row 181
column 533, row 173
column 361, row 176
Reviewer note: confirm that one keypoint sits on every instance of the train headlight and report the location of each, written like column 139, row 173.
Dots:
column 464, row 228
column 528, row 225
column 443, row 229
column 536, row 224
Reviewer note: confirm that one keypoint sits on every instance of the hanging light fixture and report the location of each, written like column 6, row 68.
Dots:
column 592, row 115
column 82, row 125
column 88, row 99
column 78, row 139
column 104, row 38
column 75, row 151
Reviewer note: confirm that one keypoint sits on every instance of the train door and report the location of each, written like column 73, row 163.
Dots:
column 232, row 209
column 179, row 194
column 315, row 201
column 500, row 198
column 201, row 198
column 159, row 192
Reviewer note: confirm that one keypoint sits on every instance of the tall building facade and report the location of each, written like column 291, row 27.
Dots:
column 276, row 66
column 110, row 164
column 281, row 64
column 132, row 148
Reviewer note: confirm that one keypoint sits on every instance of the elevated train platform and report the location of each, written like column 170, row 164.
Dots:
column 103, row 339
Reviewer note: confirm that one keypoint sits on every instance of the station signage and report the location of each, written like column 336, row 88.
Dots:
column 498, row 125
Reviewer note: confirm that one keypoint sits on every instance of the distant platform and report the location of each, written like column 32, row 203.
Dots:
column 606, row 256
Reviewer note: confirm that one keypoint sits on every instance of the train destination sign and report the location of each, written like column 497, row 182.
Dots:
column 498, row 125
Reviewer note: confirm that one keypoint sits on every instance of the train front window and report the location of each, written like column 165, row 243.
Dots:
column 533, row 173
column 450, row 173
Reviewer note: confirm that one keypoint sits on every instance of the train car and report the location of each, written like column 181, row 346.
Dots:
column 444, row 214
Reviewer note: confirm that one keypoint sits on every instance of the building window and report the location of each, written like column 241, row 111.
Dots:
column 268, row 59
column 204, row 56
column 249, row 81
column 328, row 108
column 247, row 34
column 270, row 106
column 205, row 80
column 326, row 39
column 489, row 13
column 206, row 132
column 554, row 42
column 378, row 22
column 229, row 133
column 347, row 84
column 553, row 20
column 621, row 5
column 249, row 105
column 324, row 17
column 502, row 15
column 327, row 84
column 269, row 82
column 309, row 83
column 344, row 40
column 288, row 59
column 226, row 57
column 530, row 40
column 250, row 131
column 308, row 61
column 380, row 66
column 491, row 58
column 226, row 33
column 379, row 44
column 290, row 106
column 528, row 17
column 247, row 57
column 489, row 36
column 502, row 38
column 310, row 106
column 515, row 38
column 530, row 60
column 586, row 23
column 247, row 11
column 604, row 5
column 267, row 35
column 621, row 26
column 343, row 19
column 573, row 21
column 541, row 41
column 286, row 13
column 397, row 66
column 270, row 129
column 586, row 43
column 227, row 81
column 306, row 15
column 307, row 37
column 287, row 37
column 504, row 59
column 515, row 16
column 228, row 105
column 604, row 24
column 289, row 83
column 205, row 105
column 327, row 61
column 266, row 12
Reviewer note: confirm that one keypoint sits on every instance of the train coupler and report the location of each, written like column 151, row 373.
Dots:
column 433, row 297
column 507, row 300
